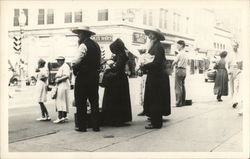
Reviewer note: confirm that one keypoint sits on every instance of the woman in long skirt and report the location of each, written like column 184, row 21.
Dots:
column 63, row 87
column 221, row 80
column 116, row 104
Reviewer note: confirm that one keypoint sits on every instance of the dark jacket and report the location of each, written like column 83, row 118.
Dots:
column 157, row 89
column 116, row 101
column 90, row 64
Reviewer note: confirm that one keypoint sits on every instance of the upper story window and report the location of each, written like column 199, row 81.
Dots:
column 17, row 13
column 103, row 15
column 174, row 22
column 187, row 25
column 68, row 17
column 215, row 45
column 144, row 17
column 150, row 18
column 50, row 16
column 165, row 18
column 16, row 16
column 78, row 16
column 41, row 16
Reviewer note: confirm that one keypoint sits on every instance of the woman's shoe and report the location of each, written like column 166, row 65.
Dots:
column 141, row 114
column 219, row 100
column 57, row 121
column 48, row 118
column 41, row 119
column 235, row 105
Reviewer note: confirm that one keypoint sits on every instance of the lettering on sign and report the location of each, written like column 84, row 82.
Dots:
column 139, row 38
column 102, row 38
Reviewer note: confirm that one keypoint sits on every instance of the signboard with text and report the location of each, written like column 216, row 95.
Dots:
column 102, row 38
column 139, row 38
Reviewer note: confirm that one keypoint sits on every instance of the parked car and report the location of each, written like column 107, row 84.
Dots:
column 210, row 75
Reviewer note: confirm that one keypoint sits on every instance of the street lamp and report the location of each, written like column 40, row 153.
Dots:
column 22, row 20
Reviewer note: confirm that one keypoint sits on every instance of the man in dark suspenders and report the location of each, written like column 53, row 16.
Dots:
column 85, row 68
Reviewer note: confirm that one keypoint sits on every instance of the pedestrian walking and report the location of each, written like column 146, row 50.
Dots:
column 180, row 74
column 86, row 69
column 235, row 72
column 116, row 106
column 42, row 76
column 62, row 100
column 221, row 80
column 157, row 89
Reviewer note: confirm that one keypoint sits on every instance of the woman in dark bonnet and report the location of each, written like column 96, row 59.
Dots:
column 116, row 106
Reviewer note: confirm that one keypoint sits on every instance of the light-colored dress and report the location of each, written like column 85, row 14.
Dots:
column 62, row 101
column 42, row 85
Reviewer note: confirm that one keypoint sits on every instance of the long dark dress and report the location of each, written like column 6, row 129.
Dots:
column 157, row 90
column 221, row 80
column 116, row 104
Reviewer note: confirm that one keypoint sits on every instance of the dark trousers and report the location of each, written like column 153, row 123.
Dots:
column 62, row 114
column 86, row 90
column 43, row 110
column 156, row 120
column 180, row 90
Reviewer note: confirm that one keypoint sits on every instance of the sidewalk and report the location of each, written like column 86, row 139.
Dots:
column 202, row 127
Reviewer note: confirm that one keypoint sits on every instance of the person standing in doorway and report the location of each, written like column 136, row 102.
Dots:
column 180, row 74
column 86, row 69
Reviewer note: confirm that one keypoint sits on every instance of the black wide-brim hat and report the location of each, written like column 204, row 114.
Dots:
column 83, row 29
column 156, row 32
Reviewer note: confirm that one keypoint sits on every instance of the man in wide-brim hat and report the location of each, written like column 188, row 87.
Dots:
column 83, row 29
column 157, row 32
column 157, row 91
column 85, row 68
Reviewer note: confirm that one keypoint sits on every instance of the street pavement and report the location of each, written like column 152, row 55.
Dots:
column 206, row 126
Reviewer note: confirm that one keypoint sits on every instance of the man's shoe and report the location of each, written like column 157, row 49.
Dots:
column 142, row 114
column 151, row 127
column 235, row 105
column 96, row 129
column 219, row 100
column 80, row 130
column 48, row 118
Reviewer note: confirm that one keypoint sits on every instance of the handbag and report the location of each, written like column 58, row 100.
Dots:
column 106, row 78
column 54, row 92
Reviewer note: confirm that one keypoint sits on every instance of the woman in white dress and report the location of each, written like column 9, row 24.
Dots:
column 42, row 76
column 62, row 100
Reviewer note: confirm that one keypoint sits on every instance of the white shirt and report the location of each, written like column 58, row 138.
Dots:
column 181, row 59
column 80, row 53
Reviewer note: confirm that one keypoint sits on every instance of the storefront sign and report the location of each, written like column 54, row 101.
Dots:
column 102, row 38
column 139, row 38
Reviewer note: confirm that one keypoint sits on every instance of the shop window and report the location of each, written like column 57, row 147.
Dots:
column 187, row 25
column 68, row 17
column 16, row 16
column 78, row 16
column 50, row 16
column 41, row 16
column 103, row 15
